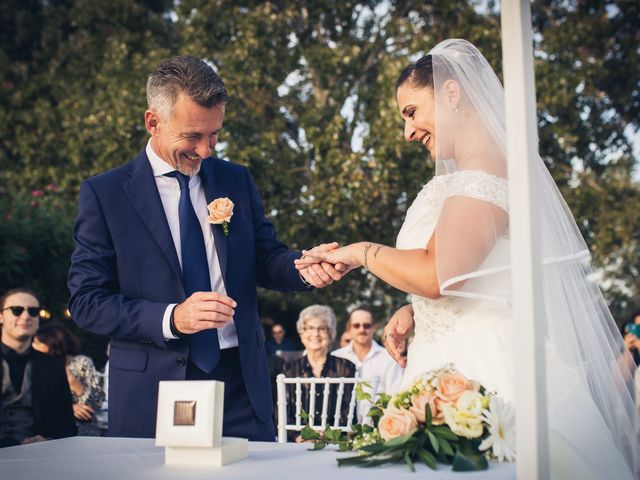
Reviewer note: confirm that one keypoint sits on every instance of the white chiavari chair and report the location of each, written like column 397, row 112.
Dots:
column 321, row 423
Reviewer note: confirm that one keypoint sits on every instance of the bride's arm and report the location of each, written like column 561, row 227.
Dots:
column 467, row 230
column 412, row 271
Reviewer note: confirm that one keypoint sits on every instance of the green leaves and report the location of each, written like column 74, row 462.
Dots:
column 468, row 458
column 309, row 433
column 329, row 436
column 469, row 462
column 398, row 441
column 361, row 394
column 426, row 457
column 434, row 441
column 444, row 432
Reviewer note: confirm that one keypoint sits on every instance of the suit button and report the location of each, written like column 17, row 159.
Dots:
column 181, row 361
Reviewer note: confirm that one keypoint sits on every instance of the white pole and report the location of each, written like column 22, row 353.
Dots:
column 528, row 306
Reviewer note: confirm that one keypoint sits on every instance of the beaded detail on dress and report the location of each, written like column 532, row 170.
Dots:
column 436, row 317
column 469, row 183
column 433, row 318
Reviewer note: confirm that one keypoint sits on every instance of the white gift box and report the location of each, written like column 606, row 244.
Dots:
column 189, row 425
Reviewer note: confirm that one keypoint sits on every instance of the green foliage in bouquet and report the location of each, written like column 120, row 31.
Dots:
column 459, row 424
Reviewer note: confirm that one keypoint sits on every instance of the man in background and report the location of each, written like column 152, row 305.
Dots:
column 371, row 359
column 278, row 341
column 35, row 400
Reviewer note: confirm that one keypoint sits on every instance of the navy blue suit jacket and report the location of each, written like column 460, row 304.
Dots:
column 125, row 271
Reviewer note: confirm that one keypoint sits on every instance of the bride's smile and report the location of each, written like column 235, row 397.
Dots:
column 417, row 108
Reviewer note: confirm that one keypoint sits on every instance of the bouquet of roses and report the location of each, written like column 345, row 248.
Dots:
column 441, row 417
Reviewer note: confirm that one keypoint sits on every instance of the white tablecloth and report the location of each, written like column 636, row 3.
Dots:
column 97, row 458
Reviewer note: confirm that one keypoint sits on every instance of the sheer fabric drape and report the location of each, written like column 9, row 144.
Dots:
column 471, row 235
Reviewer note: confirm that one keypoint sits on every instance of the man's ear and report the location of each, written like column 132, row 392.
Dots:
column 151, row 121
column 452, row 90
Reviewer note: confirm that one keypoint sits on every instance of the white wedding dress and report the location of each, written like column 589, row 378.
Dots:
column 477, row 337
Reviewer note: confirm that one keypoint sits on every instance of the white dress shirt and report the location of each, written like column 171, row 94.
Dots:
column 169, row 191
column 377, row 363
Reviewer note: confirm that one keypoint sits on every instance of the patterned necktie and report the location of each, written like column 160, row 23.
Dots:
column 204, row 345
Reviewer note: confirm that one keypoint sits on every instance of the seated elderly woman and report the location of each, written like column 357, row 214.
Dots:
column 317, row 328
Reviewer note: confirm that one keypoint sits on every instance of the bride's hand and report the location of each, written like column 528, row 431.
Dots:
column 345, row 256
column 396, row 331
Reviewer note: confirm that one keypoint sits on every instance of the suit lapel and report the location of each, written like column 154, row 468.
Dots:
column 142, row 191
column 214, row 187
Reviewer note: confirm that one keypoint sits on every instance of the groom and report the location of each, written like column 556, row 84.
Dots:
column 177, row 294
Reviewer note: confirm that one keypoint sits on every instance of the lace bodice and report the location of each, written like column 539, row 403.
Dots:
column 434, row 318
column 470, row 183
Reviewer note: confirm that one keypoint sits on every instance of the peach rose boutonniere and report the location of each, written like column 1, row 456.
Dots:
column 220, row 213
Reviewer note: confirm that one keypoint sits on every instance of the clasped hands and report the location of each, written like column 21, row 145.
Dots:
column 399, row 326
column 207, row 310
column 323, row 265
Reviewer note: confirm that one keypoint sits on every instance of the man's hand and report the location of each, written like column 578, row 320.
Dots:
column 632, row 342
column 395, row 333
column 202, row 311
column 319, row 273
column 345, row 258
column 322, row 274
column 82, row 411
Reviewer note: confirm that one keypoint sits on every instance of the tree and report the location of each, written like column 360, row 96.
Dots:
column 313, row 112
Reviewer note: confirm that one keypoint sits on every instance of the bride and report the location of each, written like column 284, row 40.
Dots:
column 452, row 255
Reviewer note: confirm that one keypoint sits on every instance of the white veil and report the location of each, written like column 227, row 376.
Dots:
column 471, row 235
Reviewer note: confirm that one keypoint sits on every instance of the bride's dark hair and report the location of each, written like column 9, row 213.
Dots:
column 418, row 74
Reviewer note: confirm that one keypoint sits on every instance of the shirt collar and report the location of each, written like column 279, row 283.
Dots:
column 158, row 166
column 9, row 353
column 374, row 350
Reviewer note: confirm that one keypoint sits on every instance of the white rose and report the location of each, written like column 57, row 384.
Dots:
column 463, row 423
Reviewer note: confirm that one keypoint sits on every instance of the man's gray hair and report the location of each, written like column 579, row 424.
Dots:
column 184, row 74
column 321, row 312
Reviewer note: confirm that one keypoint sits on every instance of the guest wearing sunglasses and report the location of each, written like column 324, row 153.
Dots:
column 35, row 401
column 371, row 359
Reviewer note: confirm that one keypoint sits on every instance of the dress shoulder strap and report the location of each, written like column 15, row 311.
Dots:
column 480, row 185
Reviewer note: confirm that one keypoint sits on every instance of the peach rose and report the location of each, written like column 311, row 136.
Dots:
column 474, row 386
column 397, row 422
column 220, row 210
column 419, row 402
column 451, row 386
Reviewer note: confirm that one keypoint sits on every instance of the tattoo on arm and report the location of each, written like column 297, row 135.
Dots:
column 366, row 252
column 375, row 254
